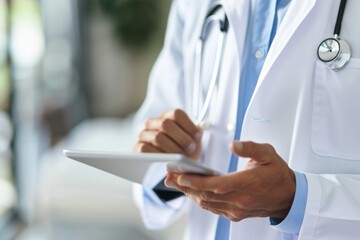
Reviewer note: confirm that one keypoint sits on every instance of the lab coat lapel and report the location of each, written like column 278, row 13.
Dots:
column 298, row 8
column 238, row 14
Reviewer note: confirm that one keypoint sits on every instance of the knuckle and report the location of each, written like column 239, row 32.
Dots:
column 204, row 204
column 185, row 190
column 245, row 202
column 184, row 141
column 236, row 219
column 249, row 143
column 148, row 123
column 221, row 188
column 205, row 196
column 142, row 135
column 238, row 216
column 269, row 147
column 177, row 113
column 166, row 124
column 158, row 137
column 237, row 213
column 142, row 147
column 231, row 218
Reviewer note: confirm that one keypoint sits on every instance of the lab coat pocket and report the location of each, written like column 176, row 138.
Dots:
column 336, row 111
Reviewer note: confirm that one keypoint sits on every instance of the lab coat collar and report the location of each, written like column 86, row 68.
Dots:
column 238, row 14
column 296, row 14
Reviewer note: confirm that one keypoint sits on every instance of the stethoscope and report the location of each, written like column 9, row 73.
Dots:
column 335, row 52
column 222, row 21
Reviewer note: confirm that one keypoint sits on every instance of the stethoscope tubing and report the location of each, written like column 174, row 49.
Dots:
column 340, row 17
column 214, row 77
column 198, row 113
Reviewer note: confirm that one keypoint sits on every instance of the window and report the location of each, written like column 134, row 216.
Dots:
column 21, row 45
column 7, row 190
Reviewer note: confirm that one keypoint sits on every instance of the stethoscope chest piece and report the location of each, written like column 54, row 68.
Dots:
column 334, row 52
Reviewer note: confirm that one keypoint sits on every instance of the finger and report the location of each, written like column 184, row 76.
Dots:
column 227, row 210
column 170, row 180
column 161, row 141
column 183, row 120
column 153, row 124
column 215, row 184
column 182, row 138
column 214, row 209
column 261, row 153
column 177, row 115
column 145, row 147
column 174, row 131
column 236, row 199
column 220, row 213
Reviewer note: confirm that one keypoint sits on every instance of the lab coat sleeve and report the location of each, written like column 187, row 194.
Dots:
column 155, row 213
column 165, row 92
column 333, row 208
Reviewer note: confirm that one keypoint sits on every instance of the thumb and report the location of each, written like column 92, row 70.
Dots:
column 261, row 153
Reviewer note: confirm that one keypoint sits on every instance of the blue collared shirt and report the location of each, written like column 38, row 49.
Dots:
column 265, row 19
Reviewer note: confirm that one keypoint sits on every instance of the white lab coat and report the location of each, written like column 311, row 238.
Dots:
column 309, row 113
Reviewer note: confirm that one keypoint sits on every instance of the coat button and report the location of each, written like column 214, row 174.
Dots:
column 203, row 125
column 258, row 54
column 230, row 127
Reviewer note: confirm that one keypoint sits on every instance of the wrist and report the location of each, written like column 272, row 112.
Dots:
column 288, row 196
column 293, row 221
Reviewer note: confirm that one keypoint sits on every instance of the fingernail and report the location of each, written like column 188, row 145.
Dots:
column 198, row 136
column 184, row 182
column 170, row 184
column 238, row 145
column 191, row 148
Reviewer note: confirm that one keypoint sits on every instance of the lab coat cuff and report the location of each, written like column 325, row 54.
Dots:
column 311, row 216
column 293, row 221
column 157, row 214
column 150, row 196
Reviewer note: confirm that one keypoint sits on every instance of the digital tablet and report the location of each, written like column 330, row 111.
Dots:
column 133, row 166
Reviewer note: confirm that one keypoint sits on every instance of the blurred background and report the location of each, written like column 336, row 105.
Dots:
column 72, row 74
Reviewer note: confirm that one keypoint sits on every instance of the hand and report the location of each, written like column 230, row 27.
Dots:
column 171, row 132
column 265, row 188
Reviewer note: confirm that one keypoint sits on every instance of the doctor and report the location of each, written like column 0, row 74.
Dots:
column 282, row 117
